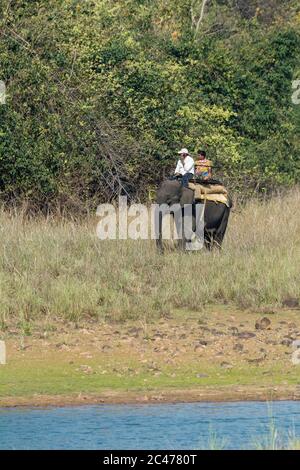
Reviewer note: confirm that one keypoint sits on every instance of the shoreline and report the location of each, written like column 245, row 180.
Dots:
column 221, row 356
column 199, row 395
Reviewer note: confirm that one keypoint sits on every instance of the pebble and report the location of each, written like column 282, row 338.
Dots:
column 257, row 360
column 226, row 365
column 263, row 324
column 238, row 347
column 291, row 302
column 246, row 335
column 134, row 332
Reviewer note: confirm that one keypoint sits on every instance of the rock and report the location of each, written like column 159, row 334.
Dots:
column 246, row 335
column 217, row 332
column 202, row 376
column 286, row 342
column 205, row 328
column 134, row 332
column 292, row 337
column 200, row 345
column 158, row 336
column 157, row 397
column 226, row 365
column 291, row 302
column 263, row 324
column 2, row 353
column 257, row 360
column 238, row 347
column 153, row 368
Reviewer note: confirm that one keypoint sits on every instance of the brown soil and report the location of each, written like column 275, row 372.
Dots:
column 222, row 355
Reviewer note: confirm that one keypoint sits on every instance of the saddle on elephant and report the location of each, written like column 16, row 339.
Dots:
column 210, row 190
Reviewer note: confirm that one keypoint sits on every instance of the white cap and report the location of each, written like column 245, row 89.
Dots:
column 184, row 151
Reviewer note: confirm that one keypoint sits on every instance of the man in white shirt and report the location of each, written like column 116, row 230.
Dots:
column 185, row 167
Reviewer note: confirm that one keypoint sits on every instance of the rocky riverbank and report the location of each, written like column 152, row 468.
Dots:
column 222, row 354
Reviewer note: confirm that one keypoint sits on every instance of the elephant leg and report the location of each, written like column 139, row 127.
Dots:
column 220, row 232
column 187, row 199
column 168, row 194
column 178, row 222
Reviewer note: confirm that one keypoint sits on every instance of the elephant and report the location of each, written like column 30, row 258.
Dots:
column 215, row 220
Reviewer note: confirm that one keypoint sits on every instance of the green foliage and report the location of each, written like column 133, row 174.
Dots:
column 101, row 94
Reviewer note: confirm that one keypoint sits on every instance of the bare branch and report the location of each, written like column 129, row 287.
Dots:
column 204, row 2
column 196, row 23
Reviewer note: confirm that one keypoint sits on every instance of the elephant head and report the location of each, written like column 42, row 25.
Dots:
column 172, row 192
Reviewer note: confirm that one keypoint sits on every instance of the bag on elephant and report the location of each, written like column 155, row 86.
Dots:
column 210, row 192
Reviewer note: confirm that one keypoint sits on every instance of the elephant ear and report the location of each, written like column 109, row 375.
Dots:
column 169, row 192
column 187, row 196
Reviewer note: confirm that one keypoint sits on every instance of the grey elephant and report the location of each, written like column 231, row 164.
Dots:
column 215, row 216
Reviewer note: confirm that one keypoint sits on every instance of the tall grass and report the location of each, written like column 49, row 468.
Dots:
column 51, row 267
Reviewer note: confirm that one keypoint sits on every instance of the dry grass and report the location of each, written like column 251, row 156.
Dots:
column 56, row 268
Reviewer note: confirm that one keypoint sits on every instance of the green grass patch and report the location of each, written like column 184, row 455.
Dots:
column 21, row 378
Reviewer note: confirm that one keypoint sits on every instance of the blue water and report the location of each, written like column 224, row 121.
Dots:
column 241, row 425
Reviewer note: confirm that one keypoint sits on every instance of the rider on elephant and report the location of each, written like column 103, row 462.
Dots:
column 185, row 167
column 203, row 166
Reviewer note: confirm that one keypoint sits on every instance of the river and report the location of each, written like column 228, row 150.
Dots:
column 241, row 425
